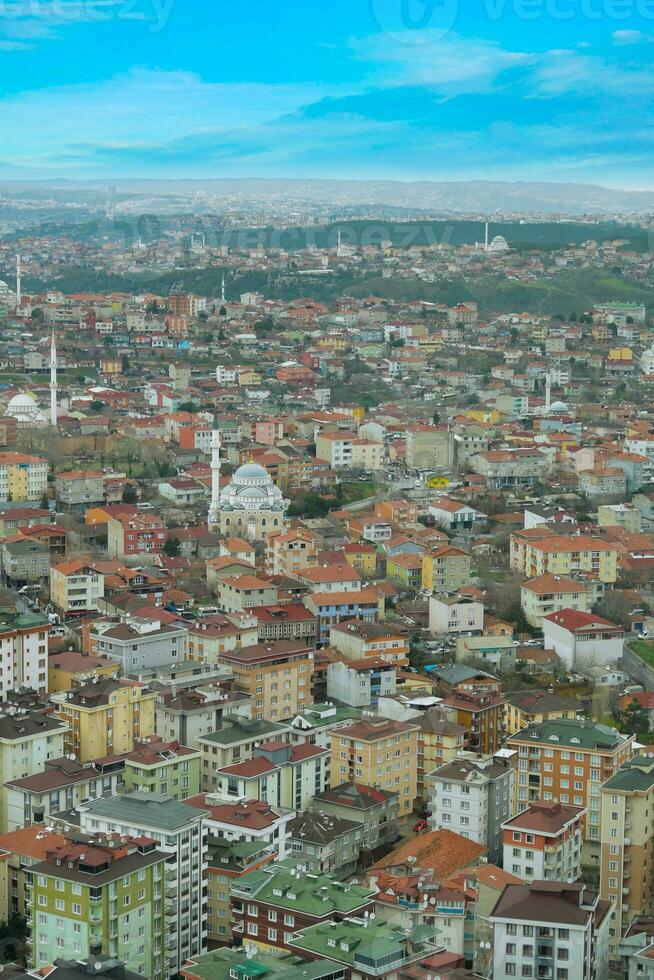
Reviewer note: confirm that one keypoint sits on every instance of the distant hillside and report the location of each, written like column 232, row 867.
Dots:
column 467, row 197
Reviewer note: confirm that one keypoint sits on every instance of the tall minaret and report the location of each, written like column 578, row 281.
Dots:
column 223, row 290
column 486, row 238
column 548, row 393
column 53, row 380
column 214, row 507
column 19, row 293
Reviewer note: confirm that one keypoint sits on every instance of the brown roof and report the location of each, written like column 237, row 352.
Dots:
column 442, row 851
column 544, row 817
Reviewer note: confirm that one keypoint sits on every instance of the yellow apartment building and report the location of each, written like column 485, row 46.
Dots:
column 381, row 753
column 276, row 675
column 106, row 717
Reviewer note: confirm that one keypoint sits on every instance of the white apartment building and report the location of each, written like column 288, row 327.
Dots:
column 453, row 614
column 473, row 797
column 544, row 842
column 549, row 929
column 23, row 653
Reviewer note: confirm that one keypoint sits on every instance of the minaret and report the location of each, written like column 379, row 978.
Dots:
column 548, row 392
column 214, row 507
column 19, row 294
column 338, row 247
column 53, row 380
column 223, row 290
column 486, row 239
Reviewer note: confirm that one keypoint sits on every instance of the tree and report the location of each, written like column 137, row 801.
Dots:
column 125, row 364
column 171, row 547
column 96, row 405
column 614, row 606
column 189, row 407
column 129, row 495
column 635, row 718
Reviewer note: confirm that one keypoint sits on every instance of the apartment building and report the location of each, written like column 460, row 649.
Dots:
column 23, row 652
column 440, row 740
column 106, row 717
column 288, row 553
column 238, row 593
column 551, row 593
column 564, row 760
column 28, row 740
column 269, row 906
column 235, row 742
column 455, row 614
column 276, row 675
column 362, row 555
column 93, row 897
column 472, row 796
column 445, row 569
column 544, row 842
column 627, row 844
column 282, row 774
column 344, row 450
column 533, row 706
column 167, row 768
column 481, row 713
column 22, row 478
column 542, row 551
column 80, row 489
column 76, row 588
column 23, row 561
column 582, row 639
column 209, row 638
column 379, row 753
column 360, row 683
column 358, row 640
column 325, row 844
column 189, row 714
column 139, row 644
column 177, row 830
column 62, row 784
column 374, row 810
column 129, row 535
column 510, row 467
column 549, row 929
column 428, row 447
column 331, row 608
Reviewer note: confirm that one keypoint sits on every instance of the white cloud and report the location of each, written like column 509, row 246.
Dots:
column 448, row 64
column 626, row 38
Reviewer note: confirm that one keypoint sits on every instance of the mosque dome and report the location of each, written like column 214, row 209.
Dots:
column 559, row 408
column 499, row 244
column 24, row 409
column 252, row 489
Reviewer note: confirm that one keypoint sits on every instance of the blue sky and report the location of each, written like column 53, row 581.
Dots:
column 405, row 89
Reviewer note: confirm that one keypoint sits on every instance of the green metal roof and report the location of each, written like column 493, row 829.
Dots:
column 314, row 894
column 217, row 964
column 571, row 733
column 242, row 731
column 636, row 775
column 145, row 810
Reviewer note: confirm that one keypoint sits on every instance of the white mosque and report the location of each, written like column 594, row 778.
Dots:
column 24, row 408
column 250, row 506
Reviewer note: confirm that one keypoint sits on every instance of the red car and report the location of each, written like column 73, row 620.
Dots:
column 420, row 826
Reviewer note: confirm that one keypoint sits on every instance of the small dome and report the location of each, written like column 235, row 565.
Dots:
column 559, row 408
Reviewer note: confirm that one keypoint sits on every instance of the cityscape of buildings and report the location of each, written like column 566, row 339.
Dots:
column 326, row 617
